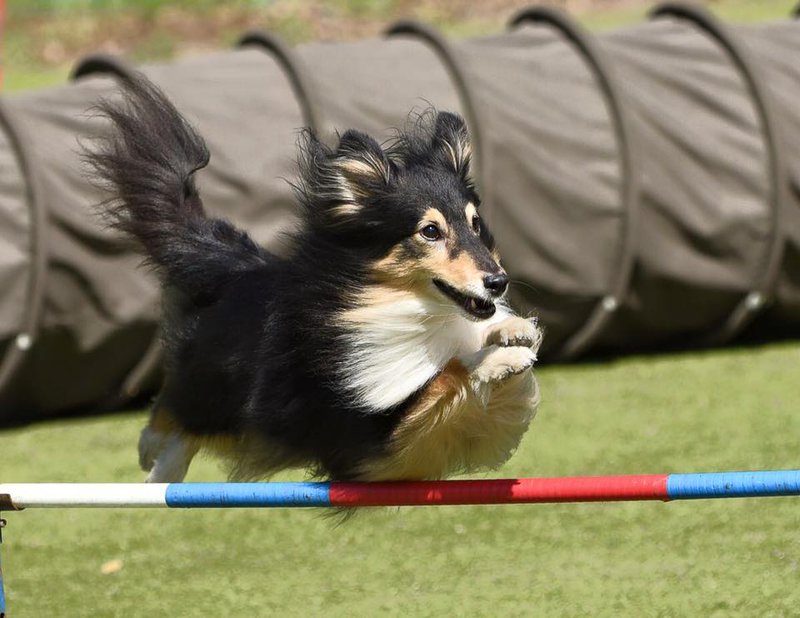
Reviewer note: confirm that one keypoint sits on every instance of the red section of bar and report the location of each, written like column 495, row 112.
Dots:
column 502, row 491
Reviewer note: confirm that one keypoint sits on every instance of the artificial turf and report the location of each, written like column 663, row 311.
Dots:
column 720, row 410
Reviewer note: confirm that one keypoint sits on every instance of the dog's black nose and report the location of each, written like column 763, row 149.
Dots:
column 496, row 284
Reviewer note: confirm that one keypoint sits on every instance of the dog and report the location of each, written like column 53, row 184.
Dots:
column 379, row 347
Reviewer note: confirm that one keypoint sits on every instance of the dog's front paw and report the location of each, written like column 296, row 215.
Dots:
column 513, row 331
column 500, row 363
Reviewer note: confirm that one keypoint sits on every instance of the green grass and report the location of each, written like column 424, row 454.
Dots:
column 731, row 409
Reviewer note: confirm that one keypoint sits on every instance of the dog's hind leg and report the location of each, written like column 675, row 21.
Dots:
column 151, row 443
column 172, row 462
column 164, row 451
column 154, row 436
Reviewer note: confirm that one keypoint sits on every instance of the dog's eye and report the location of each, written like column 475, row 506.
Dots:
column 476, row 224
column 430, row 232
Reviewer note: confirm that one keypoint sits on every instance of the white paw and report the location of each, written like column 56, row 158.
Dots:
column 500, row 363
column 514, row 331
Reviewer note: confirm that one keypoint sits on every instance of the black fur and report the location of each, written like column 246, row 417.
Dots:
column 149, row 164
column 250, row 338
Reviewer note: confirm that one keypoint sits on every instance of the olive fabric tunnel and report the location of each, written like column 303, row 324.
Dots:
column 643, row 185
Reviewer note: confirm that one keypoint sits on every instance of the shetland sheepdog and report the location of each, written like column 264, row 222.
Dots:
column 378, row 346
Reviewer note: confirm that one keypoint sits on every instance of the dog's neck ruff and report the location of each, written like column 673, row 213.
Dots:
column 396, row 342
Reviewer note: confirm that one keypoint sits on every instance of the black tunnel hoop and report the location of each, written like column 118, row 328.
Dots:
column 458, row 75
column 104, row 64
column 29, row 325
column 294, row 69
column 763, row 288
column 629, row 170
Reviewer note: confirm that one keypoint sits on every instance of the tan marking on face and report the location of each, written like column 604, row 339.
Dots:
column 434, row 215
column 470, row 210
column 460, row 272
column 452, row 428
column 399, row 270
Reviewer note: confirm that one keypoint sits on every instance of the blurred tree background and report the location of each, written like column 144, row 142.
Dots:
column 43, row 38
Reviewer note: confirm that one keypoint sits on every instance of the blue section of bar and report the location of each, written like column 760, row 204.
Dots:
column 733, row 484
column 194, row 495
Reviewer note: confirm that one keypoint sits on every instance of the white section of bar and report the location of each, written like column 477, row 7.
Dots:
column 98, row 495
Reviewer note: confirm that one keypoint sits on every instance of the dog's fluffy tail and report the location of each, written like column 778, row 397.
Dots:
column 148, row 163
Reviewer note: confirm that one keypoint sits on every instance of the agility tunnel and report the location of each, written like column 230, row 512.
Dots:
column 643, row 185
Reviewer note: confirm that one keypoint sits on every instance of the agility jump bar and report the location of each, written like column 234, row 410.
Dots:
column 664, row 487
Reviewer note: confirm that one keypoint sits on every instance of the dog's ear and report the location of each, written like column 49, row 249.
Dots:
column 451, row 141
column 363, row 167
column 339, row 183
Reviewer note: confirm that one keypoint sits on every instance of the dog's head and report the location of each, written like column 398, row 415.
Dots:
column 410, row 210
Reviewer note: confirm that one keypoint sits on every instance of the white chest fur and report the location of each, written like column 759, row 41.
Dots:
column 398, row 343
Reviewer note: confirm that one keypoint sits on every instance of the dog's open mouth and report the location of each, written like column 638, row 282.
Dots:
column 474, row 306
